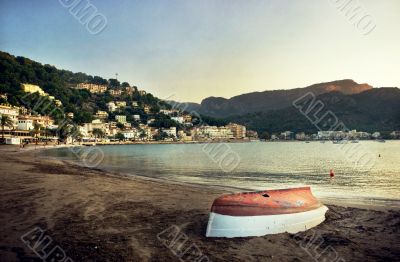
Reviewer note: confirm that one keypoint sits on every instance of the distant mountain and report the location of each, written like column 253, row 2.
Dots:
column 376, row 109
column 270, row 100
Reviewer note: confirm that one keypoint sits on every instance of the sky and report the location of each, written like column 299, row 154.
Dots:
column 187, row 50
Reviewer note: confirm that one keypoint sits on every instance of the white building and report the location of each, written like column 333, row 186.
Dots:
column 11, row 112
column 111, row 106
column 170, row 131
column 376, row 135
column 95, row 124
column 178, row 119
column 136, row 117
column 130, row 134
column 214, row 132
column 25, row 124
column 325, row 134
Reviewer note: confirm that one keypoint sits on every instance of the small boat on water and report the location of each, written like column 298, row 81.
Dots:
column 265, row 212
column 381, row 140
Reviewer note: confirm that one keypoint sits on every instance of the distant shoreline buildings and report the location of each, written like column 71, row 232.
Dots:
column 115, row 124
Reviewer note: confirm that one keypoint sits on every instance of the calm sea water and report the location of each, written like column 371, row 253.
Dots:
column 263, row 165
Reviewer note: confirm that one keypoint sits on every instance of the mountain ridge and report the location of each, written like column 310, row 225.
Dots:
column 377, row 109
column 264, row 101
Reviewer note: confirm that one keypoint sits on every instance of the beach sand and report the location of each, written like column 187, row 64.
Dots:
column 95, row 216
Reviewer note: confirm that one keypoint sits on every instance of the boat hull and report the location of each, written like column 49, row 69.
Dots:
column 245, row 226
column 265, row 212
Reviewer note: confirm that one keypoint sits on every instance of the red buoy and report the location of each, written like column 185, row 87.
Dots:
column 331, row 174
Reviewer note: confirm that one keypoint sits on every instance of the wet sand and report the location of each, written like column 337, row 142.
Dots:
column 98, row 216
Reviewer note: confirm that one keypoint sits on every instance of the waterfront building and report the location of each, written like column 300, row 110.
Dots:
column 135, row 104
column 25, row 124
column 300, row 136
column 213, row 132
column 130, row 134
column 287, row 135
column 395, row 134
column 251, row 134
column 170, row 131
column 11, row 111
column 238, row 131
column 325, row 135
column 376, row 135
column 183, row 136
column 95, row 124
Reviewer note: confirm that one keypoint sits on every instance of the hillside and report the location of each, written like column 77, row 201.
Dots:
column 57, row 82
column 270, row 100
column 376, row 109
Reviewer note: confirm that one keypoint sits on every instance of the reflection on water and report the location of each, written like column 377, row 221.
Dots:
column 265, row 165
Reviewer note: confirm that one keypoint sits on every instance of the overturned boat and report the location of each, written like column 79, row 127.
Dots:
column 265, row 212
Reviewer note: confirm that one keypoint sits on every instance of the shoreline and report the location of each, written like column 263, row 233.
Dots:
column 98, row 215
column 370, row 203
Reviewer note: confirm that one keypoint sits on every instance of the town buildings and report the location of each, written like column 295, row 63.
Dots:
column 92, row 88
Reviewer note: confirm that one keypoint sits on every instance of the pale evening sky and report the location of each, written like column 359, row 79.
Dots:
column 188, row 50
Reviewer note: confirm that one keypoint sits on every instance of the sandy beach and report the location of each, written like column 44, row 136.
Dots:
column 97, row 216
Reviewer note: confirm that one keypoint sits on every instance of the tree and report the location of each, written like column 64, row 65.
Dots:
column 112, row 82
column 5, row 121
column 98, row 133
column 36, row 130
column 265, row 135
column 120, row 137
column 161, row 136
column 125, row 84
column 142, row 134
column 120, row 125
column 74, row 133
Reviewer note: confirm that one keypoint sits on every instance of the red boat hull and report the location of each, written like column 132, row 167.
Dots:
column 269, row 202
